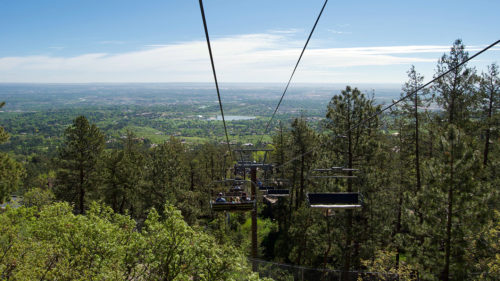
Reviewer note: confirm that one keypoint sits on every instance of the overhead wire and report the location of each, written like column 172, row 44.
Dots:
column 215, row 75
column 423, row 86
column 401, row 99
column 294, row 69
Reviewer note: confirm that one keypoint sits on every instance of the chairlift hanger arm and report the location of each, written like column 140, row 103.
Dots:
column 254, row 165
column 336, row 169
column 350, row 170
column 322, row 170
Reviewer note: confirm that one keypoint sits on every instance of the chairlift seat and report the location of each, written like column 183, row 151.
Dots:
column 270, row 199
column 339, row 200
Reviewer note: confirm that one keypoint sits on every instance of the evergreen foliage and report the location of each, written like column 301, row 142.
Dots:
column 55, row 244
column 428, row 179
column 78, row 162
column 11, row 171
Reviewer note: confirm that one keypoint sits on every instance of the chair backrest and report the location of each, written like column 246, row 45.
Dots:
column 233, row 206
column 341, row 198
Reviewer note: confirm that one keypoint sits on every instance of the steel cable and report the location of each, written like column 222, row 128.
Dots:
column 294, row 69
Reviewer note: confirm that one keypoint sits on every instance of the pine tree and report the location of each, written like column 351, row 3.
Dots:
column 453, row 205
column 166, row 178
column 349, row 117
column 490, row 94
column 4, row 136
column 407, row 122
column 456, row 95
column 281, row 155
column 410, row 111
column 78, row 159
column 456, row 92
column 11, row 172
column 302, row 139
column 123, row 174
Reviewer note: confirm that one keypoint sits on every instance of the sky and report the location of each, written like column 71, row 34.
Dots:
column 258, row 41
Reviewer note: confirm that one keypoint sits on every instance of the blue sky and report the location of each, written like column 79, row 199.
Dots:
column 253, row 41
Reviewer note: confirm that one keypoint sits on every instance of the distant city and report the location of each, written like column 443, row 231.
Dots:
column 30, row 97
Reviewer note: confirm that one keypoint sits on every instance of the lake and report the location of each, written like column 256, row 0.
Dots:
column 235, row 117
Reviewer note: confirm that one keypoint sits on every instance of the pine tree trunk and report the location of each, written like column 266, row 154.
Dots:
column 115, row 199
column 301, row 199
column 487, row 141
column 398, row 226
column 122, row 205
column 347, row 251
column 282, row 153
column 296, row 189
column 191, row 186
column 417, row 154
column 446, row 271
column 325, row 257
column 347, row 254
column 400, row 199
column 82, row 191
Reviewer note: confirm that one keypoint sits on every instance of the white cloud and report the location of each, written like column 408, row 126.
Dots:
column 335, row 31
column 265, row 57
column 286, row 31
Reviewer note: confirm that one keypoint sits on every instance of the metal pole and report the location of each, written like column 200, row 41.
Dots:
column 254, row 218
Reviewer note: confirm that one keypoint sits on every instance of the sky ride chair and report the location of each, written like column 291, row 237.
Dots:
column 234, row 199
column 335, row 200
column 273, row 192
column 278, row 190
column 273, row 187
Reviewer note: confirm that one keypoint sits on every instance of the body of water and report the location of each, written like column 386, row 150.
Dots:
column 234, row 117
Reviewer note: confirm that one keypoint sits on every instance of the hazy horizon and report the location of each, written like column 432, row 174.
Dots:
column 164, row 41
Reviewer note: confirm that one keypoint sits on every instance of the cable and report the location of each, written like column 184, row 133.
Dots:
column 422, row 87
column 215, row 75
column 401, row 99
column 294, row 69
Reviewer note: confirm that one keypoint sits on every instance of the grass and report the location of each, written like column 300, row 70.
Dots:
column 154, row 135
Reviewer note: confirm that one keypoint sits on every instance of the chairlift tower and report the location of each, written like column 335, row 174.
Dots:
column 245, row 162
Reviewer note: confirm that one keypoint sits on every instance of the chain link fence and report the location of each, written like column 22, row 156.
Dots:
column 287, row 272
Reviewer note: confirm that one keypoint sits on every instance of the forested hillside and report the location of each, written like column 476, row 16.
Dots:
column 137, row 209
